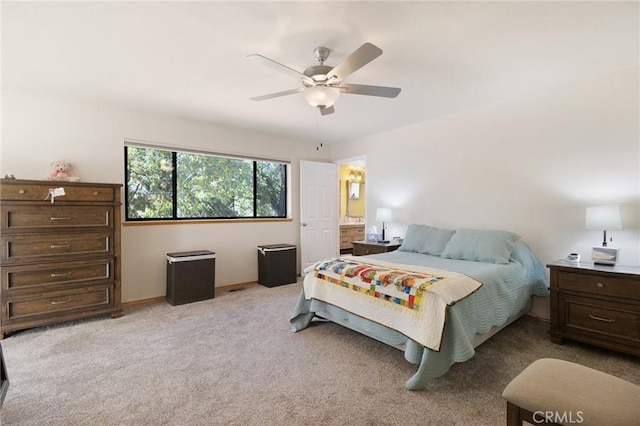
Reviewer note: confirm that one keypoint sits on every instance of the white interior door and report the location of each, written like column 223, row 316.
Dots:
column 318, row 212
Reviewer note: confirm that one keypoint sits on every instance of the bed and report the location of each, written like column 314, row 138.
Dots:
column 436, row 298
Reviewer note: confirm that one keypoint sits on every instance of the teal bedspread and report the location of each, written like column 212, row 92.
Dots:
column 506, row 291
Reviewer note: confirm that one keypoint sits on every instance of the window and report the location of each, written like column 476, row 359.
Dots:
column 172, row 185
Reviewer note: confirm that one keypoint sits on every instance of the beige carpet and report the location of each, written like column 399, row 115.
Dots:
column 233, row 360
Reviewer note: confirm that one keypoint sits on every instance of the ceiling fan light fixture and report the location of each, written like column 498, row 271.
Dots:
column 321, row 96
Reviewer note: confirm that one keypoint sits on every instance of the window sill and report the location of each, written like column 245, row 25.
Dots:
column 202, row 221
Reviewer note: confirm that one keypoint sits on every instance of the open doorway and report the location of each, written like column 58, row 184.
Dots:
column 352, row 179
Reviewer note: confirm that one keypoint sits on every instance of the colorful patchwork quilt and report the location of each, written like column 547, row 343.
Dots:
column 412, row 300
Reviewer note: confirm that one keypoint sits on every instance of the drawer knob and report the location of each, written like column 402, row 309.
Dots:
column 66, row 274
column 21, row 191
column 600, row 285
column 60, row 302
column 54, row 218
column 55, row 246
column 95, row 192
column 593, row 317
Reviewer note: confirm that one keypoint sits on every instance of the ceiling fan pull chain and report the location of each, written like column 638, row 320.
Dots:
column 319, row 132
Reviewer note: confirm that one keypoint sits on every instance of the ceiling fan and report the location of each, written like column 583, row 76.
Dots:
column 322, row 84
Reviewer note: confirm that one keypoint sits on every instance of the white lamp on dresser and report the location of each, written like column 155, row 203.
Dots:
column 604, row 218
column 383, row 214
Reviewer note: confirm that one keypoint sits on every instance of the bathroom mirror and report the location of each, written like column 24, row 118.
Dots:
column 354, row 190
column 354, row 195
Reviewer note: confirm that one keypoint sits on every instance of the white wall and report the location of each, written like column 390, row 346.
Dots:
column 529, row 165
column 38, row 129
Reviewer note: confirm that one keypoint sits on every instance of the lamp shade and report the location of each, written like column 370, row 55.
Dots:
column 603, row 218
column 321, row 96
column 383, row 214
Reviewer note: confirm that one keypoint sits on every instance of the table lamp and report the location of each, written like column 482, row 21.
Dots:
column 383, row 215
column 603, row 218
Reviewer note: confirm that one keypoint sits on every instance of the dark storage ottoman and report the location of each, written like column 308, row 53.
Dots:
column 276, row 264
column 190, row 276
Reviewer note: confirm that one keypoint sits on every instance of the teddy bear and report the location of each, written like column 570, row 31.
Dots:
column 61, row 170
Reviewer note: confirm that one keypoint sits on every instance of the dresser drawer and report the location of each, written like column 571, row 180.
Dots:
column 599, row 285
column 363, row 249
column 59, row 301
column 48, row 276
column 358, row 234
column 30, row 248
column 40, row 192
column 345, row 242
column 614, row 320
column 48, row 218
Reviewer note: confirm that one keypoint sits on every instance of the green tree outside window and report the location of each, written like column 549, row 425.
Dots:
column 180, row 185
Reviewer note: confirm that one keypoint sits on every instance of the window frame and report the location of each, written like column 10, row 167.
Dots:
column 174, row 183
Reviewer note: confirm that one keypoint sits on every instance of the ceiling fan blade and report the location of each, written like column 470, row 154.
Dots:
column 362, row 89
column 276, row 95
column 361, row 57
column 282, row 68
column 327, row 110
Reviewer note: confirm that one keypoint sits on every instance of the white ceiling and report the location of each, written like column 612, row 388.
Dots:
column 189, row 59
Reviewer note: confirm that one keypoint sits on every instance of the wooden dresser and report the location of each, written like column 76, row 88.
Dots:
column 363, row 248
column 59, row 261
column 596, row 305
column 350, row 233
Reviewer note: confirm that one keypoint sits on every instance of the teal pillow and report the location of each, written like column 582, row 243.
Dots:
column 435, row 240
column 413, row 238
column 481, row 245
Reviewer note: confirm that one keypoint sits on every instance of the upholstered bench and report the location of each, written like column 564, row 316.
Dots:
column 551, row 391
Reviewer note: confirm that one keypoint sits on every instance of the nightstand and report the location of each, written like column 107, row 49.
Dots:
column 361, row 248
column 598, row 305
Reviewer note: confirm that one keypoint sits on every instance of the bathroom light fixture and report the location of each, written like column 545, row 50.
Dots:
column 355, row 176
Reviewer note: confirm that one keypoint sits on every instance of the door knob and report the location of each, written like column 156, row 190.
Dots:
column 304, row 224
